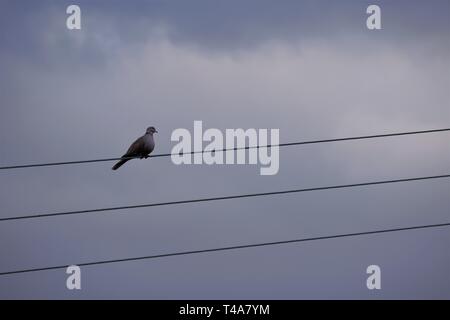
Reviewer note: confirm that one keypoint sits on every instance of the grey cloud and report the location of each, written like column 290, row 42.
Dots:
column 61, row 106
column 220, row 26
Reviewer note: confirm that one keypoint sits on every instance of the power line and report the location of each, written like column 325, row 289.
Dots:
column 229, row 149
column 244, row 246
column 251, row 195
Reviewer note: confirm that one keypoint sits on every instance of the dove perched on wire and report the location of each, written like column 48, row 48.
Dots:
column 141, row 148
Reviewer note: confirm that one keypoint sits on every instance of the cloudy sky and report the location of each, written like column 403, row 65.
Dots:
column 309, row 68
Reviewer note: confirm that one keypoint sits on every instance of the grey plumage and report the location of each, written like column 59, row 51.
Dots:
column 141, row 148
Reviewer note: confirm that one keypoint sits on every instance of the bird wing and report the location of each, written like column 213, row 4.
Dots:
column 136, row 148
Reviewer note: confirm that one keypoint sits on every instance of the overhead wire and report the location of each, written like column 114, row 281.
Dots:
column 287, row 144
column 209, row 199
column 228, row 248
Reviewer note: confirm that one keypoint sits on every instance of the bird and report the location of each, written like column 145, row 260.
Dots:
column 141, row 148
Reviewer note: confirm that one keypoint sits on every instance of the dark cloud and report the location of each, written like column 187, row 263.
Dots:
column 38, row 29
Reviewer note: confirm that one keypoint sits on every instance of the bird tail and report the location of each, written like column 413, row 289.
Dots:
column 119, row 164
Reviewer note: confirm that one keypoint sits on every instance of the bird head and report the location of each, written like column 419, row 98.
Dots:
column 151, row 130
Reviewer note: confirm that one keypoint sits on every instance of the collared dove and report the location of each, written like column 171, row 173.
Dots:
column 141, row 148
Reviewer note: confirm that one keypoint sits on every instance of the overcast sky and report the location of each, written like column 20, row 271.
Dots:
column 309, row 68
